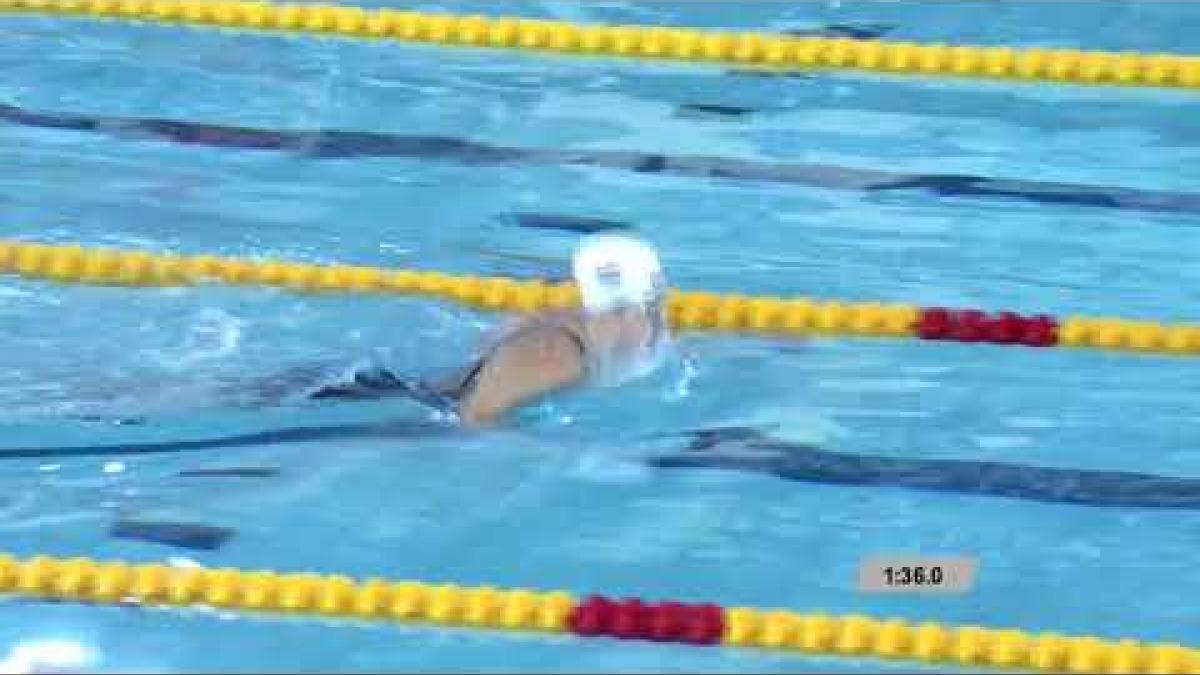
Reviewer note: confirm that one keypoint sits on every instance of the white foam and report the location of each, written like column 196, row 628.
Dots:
column 792, row 420
column 1000, row 442
column 47, row 656
column 1030, row 423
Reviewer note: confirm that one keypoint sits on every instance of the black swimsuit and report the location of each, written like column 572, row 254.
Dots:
column 376, row 382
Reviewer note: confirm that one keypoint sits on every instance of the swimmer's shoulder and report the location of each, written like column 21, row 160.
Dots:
column 570, row 321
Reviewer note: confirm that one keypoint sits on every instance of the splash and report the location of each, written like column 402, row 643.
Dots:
column 681, row 387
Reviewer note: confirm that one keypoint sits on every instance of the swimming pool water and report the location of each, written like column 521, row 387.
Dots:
column 564, row 498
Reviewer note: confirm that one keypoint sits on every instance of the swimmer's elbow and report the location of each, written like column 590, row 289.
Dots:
column 477, row 418
column 482, row 411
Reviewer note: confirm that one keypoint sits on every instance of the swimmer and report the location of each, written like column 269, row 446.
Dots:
column 619, row 334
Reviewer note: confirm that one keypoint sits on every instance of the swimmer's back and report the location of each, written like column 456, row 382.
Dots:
column 531, row 358
column 543, row 353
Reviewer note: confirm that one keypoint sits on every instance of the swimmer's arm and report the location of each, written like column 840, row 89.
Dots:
column 524, row 367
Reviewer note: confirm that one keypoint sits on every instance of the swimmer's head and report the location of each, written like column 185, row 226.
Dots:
column 615, row 271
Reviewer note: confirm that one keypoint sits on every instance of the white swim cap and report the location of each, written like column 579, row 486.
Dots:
column 615, row 270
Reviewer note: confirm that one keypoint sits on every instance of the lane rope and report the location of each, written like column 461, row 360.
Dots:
column 687, row 310
column 743, row 49
column 486, row 607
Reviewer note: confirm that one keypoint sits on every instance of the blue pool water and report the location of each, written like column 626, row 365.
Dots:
column 565, row 497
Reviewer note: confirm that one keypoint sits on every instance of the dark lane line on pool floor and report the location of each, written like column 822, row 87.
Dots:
column 335, row 144
column 564, row 222
column 176, row 534
column 748, row 450
column 232, row 472
column 400, row 430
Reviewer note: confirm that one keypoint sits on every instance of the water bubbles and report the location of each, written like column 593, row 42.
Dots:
column 213, row 334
